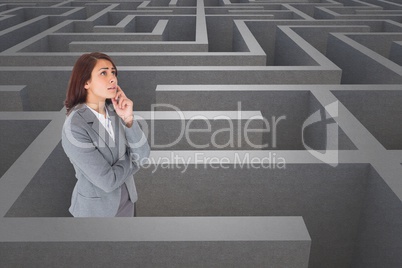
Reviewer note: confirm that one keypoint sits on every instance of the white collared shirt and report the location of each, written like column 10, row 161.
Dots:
column 106, row 122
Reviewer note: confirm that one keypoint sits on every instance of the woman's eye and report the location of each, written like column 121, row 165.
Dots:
column 103, row 73
column 114, row 72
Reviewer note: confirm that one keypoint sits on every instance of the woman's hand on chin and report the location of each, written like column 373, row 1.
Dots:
column 123, row 107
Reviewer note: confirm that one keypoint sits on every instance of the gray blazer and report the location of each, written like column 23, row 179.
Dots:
column 102, row 165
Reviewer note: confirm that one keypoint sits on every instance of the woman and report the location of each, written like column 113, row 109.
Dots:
column 102, row 140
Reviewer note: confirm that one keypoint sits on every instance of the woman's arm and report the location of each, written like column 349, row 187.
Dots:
column 85, row 156
column 137, row 142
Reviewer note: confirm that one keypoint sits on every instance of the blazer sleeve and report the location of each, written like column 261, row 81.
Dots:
column 138, row 144
column 86, row 157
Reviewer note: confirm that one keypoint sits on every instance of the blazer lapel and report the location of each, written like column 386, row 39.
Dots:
column 104, row 139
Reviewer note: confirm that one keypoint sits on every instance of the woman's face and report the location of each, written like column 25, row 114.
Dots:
column 103, row 82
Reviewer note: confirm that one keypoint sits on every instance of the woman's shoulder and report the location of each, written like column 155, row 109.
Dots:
column 76, row 116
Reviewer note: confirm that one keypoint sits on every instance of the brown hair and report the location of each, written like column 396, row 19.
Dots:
column 76, row 92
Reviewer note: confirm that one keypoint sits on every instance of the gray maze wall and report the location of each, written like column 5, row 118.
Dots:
column 301, row 70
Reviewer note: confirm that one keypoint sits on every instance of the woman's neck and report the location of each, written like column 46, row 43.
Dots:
column 97, row 106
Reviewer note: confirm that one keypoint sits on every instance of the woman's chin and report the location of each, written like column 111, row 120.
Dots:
column 111, row 94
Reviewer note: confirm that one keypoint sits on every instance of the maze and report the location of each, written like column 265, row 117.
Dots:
column 292, row 148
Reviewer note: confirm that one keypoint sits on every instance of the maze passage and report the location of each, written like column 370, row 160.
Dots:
column 275, row 129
